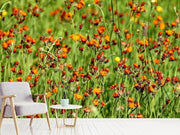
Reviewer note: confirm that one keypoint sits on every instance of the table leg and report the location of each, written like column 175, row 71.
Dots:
column 64, row 123
column 56, row 118
column 64, row 119
column 75, row 118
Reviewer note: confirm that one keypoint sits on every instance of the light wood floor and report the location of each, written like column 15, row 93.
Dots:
column 95, row 127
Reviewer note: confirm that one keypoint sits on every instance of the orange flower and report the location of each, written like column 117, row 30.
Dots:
column 64, row 55
column 173, row 24
column 5, row 45
column 159, row 18
column 172, row 58
column 150, row 89
column 82, row 2
column 162, row 26
column 13, row 69
column 29, row 78
column 20, row 71
column 126, row 31
column 136, row 65
column 49, row 30
column 68, row 16
column 107, row 38
column 131, row 115
column 25, row 28
column 55, row 90
column 76, row 73
column 96, row 103
column 102, row 104
column 82, row 75
column 96, row 22
column 168, row 79
column 128, row 36
column 97, row 91
column 143, row 78
column 10, row 80
column 77, row 96
column 140, row 56
column 28, row 39
column 103, row 73
column 130, row 99
column 36, row 78
column 42, row 56
column 169, row 32
column 70, row 66
column 80, row 68
column 131, row 105
column 34, row 71
column 96, row 1
column 139, row 116
column 110, row 8
column 86, row 94
column 75, row 37
column 29, row 50
column 126, row 71
column 71, row 1
column 101, row 29
column 19, row 79
column 78, row 6
column 156, row 61
column 115, row 95
column 129, row 49
column 87, row 109
column 142, row 42
column 49, row 94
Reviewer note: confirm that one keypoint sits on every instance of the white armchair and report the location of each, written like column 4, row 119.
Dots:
column 16, row 100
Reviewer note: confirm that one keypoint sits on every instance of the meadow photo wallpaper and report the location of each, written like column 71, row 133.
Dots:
column 116, row 58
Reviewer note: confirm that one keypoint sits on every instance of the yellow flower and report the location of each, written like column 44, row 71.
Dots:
column 4, row 13
column 153, row 1
column 97, row 91
column 77, row 96
column 75, row 37
column 49, row 94
column 159, row 9
column 117, row 59
column 133, row 19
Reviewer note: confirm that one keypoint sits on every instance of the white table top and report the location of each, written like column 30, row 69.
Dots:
column 70, row 106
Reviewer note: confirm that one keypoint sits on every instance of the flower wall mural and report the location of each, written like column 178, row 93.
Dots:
column 118, row 59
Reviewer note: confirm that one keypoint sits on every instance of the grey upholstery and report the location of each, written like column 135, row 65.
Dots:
column 24, row 104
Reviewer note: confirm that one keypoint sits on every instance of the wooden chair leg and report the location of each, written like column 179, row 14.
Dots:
column 14, row 114
column 32, row 116
column 47, row 116
column 56, row 118
column 2, row 111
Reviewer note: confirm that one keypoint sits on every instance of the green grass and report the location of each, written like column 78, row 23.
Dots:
column 151, row 104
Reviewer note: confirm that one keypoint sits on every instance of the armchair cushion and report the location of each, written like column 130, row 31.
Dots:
column 26, row 108
column 20, row 89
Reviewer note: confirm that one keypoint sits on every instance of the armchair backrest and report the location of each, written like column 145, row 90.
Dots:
column 20, row 89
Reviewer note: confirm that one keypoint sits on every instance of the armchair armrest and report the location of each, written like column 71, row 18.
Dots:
column 40, row 94
column 8, row 96
column 37, row 96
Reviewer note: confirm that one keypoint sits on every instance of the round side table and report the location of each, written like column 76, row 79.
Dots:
column 70, row 106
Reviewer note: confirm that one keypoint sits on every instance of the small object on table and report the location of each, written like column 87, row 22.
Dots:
column 70, row 106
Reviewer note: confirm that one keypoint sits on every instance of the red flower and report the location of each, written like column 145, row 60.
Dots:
column 168, row 79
